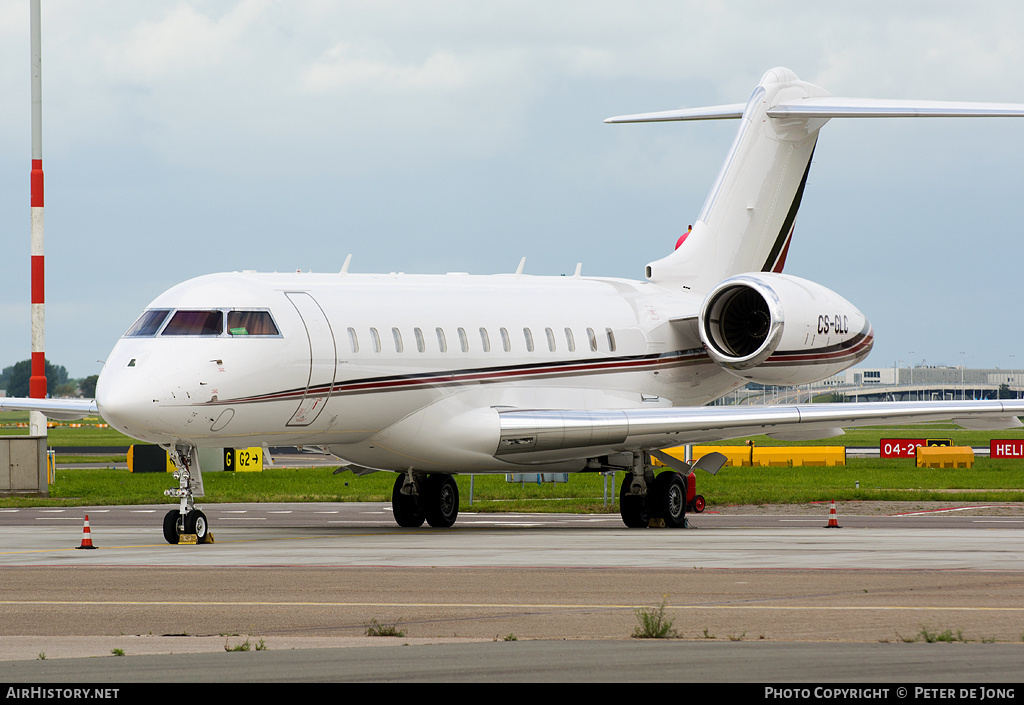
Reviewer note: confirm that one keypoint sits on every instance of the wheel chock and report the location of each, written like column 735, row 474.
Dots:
column 208, row 538
column 656, row 523
column 187, row 539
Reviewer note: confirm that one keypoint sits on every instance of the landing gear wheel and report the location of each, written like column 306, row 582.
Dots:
column 669, row 499
column 171, row 526
column 407, row 508
column 632, row 507
column 195, row 523
column 442, row 500
column 698, row 503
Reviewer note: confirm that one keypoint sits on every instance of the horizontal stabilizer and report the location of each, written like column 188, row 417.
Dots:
column 715, row 112
column 832, row 107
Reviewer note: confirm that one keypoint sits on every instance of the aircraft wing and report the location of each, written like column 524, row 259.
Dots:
column 61, row 409
column 551, row 431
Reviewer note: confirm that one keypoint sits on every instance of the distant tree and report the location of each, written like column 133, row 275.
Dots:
column 67, row 389
column 17, row 378
column 88, row 386
column 1005, row 392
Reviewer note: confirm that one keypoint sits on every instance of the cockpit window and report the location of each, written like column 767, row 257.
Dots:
column 251, row 323
column 195, row 323
column 148, row 324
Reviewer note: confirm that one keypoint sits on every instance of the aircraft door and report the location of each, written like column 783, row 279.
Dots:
column 322, row 358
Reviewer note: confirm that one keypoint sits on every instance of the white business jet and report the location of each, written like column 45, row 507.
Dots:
column 429, row 376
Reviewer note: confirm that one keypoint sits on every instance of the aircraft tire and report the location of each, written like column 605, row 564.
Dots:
column 669, row 499
column 633, row 508
column 171, row 526
column 408, row 509
column 196, row 523
column 442, row 501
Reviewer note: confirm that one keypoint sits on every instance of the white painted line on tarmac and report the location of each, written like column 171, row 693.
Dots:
column 940, row 511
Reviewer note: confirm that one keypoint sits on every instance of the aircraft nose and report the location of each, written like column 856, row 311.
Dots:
column 125, row 399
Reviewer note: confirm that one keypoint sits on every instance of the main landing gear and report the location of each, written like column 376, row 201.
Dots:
column 186, row 519
column 648, row 500
column 416, row 497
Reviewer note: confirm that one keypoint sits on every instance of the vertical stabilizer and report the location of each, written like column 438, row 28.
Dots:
column 747, row 219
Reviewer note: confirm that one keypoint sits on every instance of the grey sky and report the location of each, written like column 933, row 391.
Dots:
column 182, row 138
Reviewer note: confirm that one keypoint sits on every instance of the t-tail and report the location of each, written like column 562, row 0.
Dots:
column 747, row 221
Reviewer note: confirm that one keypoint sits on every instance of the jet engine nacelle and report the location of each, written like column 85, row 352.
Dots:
column 779, row 329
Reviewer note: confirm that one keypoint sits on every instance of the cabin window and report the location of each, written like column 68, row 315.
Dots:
column 550, row 334
column 593, row 339
column 148, row 324
column 528, row 335
column 353, row 341
column 251, row 323
column 375, row 337
column 421, row 345
column 206, row 323
column 485, row 340
column 463, row 340
column 569, row 340
column 397, row 334
column 611, row 338
column 506, row 342
column 442, row 344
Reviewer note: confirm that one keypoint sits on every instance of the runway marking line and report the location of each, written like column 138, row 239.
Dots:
column 940, row 511
column 501, row 605
column 167, row 545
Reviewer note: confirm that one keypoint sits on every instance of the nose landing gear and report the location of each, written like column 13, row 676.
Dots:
column 186, row 520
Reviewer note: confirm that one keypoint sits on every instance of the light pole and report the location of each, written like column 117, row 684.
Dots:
column 911, row 356
column 961, row 375
column 37, row 380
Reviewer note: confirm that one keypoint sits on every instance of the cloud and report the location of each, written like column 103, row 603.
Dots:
column 342, row 67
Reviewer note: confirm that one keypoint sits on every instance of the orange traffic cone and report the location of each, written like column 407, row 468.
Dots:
column 833, row 522
column 86, row 535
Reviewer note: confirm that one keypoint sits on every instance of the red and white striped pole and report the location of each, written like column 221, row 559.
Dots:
column 37, row 382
